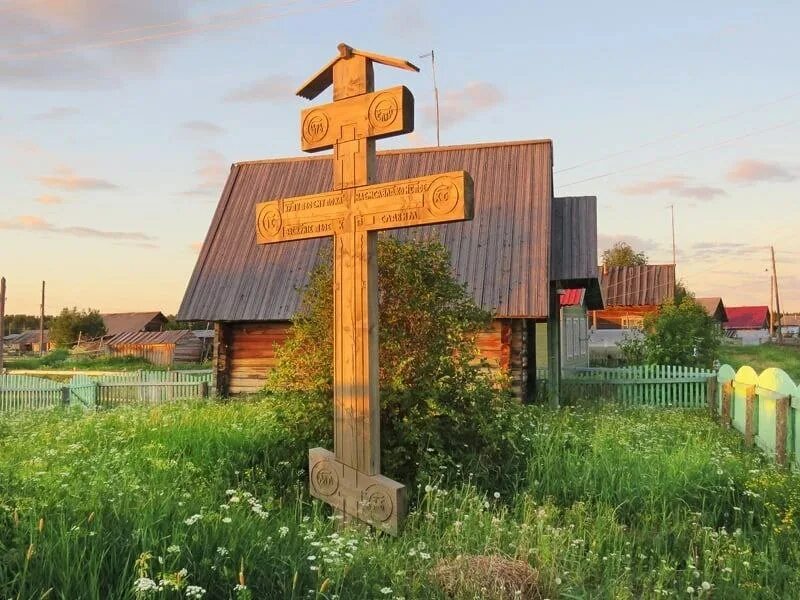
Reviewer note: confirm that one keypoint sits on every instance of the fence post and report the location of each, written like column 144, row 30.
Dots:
column 725, row 414
column 204, row 389
column 711, row 395
column 781, row 428
column 65, row 396
column 749, row 414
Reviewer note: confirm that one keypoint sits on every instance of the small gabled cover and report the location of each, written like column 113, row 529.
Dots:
column 320, row 81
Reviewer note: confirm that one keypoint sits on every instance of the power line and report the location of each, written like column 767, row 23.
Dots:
column 681, row 133
column 680, row 154
column 177, row 33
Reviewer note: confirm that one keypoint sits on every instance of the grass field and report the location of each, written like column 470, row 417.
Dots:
column 208, row 500
column 762, row 357
column 104, row 363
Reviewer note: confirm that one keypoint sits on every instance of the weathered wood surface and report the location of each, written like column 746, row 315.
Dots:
column 353, row 213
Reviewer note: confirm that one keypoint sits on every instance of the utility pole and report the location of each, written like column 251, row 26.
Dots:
column 435, row 91
column 41, row 325
column 777, row 296
column 672, row 211
column 771, row 306
column 2, row 318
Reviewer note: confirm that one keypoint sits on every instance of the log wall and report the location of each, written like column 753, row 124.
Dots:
column 244, row 353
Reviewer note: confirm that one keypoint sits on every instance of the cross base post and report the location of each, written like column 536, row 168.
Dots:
column 374, row 499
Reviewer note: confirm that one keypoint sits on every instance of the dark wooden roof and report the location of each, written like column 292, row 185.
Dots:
column 646, row 285
column 573, row 239
column 502, row 255
column 134, row 321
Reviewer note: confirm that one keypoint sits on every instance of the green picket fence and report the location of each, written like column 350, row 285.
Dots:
column 643, row 385
column 27, row 392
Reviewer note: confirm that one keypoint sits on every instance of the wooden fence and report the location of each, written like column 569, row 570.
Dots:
column 765, row 408
column 645, row 385
column 26, row 392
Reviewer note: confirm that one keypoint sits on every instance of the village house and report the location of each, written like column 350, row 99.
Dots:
column 629, row 294
column 715, row 309
column 749, row 324
column 164, row 348
column 522, row 247
column 30, row 341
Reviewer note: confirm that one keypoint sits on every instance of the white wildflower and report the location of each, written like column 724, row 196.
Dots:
column 497, row 495
column 195, row 591
column 144, row 584
column 386, row 590
column 226, row 519
column 173, row 549
column 193, row 519
column 690, row 590
column 706, row 586
column 283, row 531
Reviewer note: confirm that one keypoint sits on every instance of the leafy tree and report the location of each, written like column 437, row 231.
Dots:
column 433, row 395
column 20, row 323
column 622, row 254
column 681, row 291
column 71, row 322
column 679, row 334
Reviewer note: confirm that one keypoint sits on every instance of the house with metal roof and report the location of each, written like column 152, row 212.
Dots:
column 750, row 324
column 522, row 246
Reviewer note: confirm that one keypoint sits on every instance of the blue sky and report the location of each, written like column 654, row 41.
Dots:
column 119, row 121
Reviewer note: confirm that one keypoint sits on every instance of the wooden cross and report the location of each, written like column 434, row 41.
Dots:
column 349, row 478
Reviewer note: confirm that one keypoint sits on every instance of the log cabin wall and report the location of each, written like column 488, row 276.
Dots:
column 244, row 353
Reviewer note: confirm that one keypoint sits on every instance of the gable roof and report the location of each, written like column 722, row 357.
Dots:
column 643, row 285
column 132, row 321
column 502, row 255
column 714, row 307
column 31, row 336
column 747, row 317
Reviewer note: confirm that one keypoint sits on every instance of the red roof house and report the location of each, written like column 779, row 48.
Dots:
column 747, row 317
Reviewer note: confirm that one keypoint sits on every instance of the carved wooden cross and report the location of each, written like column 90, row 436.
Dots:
column 349, row 478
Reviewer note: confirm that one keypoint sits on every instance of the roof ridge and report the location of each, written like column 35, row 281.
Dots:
column 404, row 151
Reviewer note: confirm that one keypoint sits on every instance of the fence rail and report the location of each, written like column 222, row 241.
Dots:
column 765, row 408
column 25, row 392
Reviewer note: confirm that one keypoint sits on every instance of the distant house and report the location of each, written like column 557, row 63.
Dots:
column 163, row 348
column 30, row 341
column 790, row 325
column 134, row 321
column 631, row 293
column 750, row 324
column 715, row 308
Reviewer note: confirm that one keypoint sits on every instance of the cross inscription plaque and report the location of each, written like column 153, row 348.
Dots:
column 349, row 478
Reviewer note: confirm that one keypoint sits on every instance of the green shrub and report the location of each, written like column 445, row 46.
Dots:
column 55, row 358
column 72, row 323
column 678, row 334
column 434, row 401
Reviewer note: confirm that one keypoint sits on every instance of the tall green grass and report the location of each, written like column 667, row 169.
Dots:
column 614, row 504
column 762, row 357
